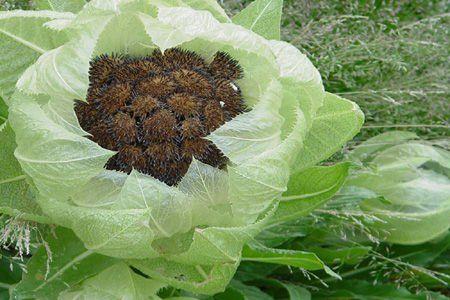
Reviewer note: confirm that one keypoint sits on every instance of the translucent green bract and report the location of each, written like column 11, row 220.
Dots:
column 190, row 235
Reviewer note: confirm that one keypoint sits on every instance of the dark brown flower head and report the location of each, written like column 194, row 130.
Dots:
column 156, row 110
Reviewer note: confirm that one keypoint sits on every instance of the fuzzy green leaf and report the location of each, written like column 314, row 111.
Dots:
column 118, row 233
column 16, row 196
column 62, row 113
column 262, row 17
column 204, row 279
column 308, row 189
column 69, row 265
column 414, row 154
column 293, row 258
column 164, row 36
column 207, row 188
column 60, row 5
column 296, row 292
column 255, row 184
column 210, row 5
column 344, row 255
column 101, row 191
column 23, row 38
column 274, row 236
column 116, row 282
column 250, row 134
column 117, row 37
column 209, row 263
column 364, row 290
column 57, row 160
column 3, row 113
column 63, row 72
column 418, row 200
column 239, row 291
column 367, row 149
column 302, row 84
column 168, row 208
column 336, row 122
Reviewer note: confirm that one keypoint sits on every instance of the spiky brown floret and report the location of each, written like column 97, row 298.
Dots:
column 229, row 96
column 224, row 66
column 175, row 59
column 114, row 98
column 156, row 110
column 144, row 105
column 136, row 69
column 192, row 128
column 184, row 105
column 193, row 82
column 204, row 151
column 214, row 116
column 100, row 133
column 162, row 126
column 86, row 115
column 103, row 68
column 124, row 128
column 158, row 86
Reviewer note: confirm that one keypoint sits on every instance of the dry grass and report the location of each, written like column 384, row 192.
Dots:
column 391, row 58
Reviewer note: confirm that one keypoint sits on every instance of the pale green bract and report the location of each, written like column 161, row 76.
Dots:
column 412, row 177
column 127, row 285
column 189, row 236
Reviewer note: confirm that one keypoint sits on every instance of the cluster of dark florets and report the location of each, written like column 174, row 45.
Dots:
column 156, row 110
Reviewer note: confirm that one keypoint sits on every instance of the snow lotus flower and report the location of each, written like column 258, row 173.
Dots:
column 165, row 133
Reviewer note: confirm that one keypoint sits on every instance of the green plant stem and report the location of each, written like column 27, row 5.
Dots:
column 5, row 286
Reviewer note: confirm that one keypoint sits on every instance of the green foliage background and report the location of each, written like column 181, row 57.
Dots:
column 392, row 59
